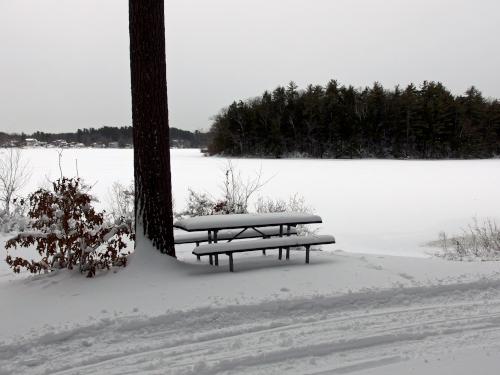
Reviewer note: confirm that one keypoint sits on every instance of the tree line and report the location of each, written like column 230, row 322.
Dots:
column 337, row 121
column 106, row 134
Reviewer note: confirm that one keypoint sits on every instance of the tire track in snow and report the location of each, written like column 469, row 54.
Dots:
column 233, row 360
column 330, row 331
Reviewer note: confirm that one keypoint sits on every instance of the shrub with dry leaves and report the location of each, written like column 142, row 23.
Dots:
column 68, row 232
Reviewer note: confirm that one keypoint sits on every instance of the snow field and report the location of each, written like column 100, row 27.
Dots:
column 345, row 313
column 370, row 206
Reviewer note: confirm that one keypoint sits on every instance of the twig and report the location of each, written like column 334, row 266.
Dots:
column 60, row 152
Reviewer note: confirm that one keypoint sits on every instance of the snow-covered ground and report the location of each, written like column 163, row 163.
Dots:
column 355, row 309
column 343, row 313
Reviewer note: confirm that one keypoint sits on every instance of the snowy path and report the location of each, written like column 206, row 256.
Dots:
column 342, row 334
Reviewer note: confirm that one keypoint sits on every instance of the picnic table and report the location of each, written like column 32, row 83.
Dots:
column 243, row 226
column 214, row 223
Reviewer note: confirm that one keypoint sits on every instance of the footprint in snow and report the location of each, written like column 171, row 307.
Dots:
column 237, row 344
column 87, row 343
column 406, row 276
column 375, row 267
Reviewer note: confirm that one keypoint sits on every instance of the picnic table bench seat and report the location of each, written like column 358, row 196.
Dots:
column 229, row 234
column 229, row 248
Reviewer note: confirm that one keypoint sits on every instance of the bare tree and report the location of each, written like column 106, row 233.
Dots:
column 153, row 190
column 14, row 174
column 237, row 191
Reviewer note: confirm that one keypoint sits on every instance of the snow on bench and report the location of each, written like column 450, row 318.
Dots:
column 198, row 237
column 229, row 248
column 267, row 243
column 216, row 222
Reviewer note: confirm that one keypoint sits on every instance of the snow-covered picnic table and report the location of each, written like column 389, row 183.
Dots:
column 244, row 226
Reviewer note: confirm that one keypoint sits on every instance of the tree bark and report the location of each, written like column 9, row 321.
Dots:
column 153, row 190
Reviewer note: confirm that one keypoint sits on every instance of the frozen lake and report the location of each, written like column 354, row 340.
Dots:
column 371, row 206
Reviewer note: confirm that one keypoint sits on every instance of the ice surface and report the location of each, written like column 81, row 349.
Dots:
column 371, row 206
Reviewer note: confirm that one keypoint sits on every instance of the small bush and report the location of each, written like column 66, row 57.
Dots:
column 477, row 241
column 199, row 204
column 296, row 203
column 236, row 193
column 68, row 232
column 121, row 203
column 14, row 220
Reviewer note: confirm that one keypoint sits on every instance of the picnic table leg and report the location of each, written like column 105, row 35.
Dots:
column 198, row 258
column 231, row 268
column 263, row 252
column 216, row 256
column 281, row 249
column 211, row 259
column 288, row 248
column 307, row 253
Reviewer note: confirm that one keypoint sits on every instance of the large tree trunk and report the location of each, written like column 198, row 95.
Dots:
column 153, row 190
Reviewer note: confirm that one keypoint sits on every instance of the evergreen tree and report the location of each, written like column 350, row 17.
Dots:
column 339, row 121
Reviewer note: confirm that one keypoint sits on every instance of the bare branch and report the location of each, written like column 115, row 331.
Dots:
column 14, row 174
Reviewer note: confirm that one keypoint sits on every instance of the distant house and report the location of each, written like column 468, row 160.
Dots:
column 60, row 143
column 31, row 142
column 113, row 145
column 180, row 143
column 11, row 144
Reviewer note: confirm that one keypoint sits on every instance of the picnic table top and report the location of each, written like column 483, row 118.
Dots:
column 217, row 222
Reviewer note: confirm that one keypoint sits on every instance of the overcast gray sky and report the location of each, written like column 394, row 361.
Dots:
column 64, row 64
